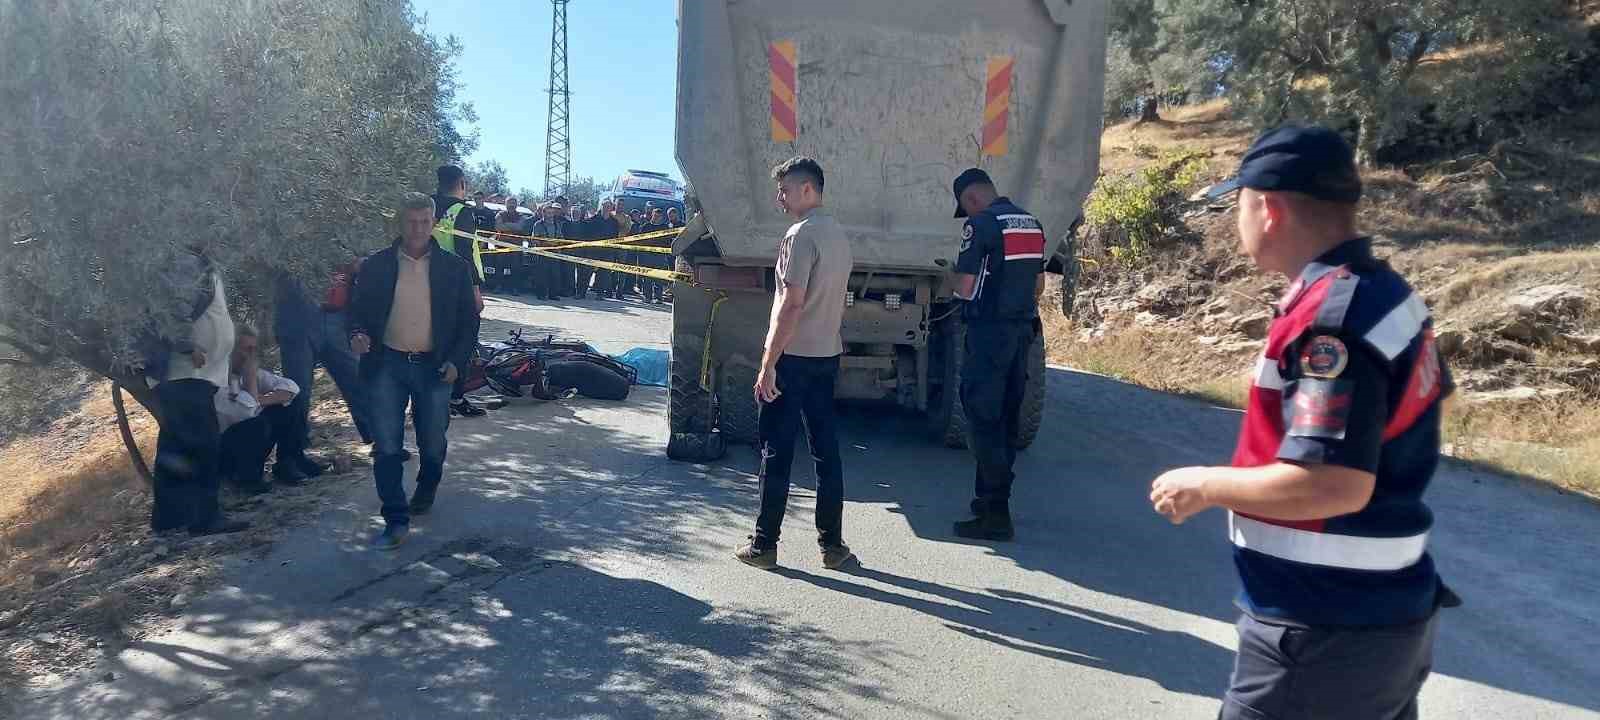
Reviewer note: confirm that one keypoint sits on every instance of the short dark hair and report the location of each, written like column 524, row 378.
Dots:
column 806, row 168
column 448, row 176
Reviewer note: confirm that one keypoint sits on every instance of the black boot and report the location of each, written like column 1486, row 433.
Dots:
column 308, row 467
column 253, row 483
column 992, row 524
column 285, row 473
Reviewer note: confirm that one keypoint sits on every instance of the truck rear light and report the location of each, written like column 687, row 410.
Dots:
column 891, row 302
column 849, row 299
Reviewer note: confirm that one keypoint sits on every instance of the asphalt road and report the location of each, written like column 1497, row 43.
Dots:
column 571, row 571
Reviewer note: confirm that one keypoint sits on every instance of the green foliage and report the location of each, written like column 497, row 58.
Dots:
column 1355, row 64
column 1133, row 215
column 1147, row 59
column 272, row 134
column 488, row 176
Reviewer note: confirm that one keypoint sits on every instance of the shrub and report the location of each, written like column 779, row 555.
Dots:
column 1134, row 214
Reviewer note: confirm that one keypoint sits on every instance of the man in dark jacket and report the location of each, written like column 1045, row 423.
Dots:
column 545, row 272
column 414, row 324
column 653, row 288
column 451, row 212
column 604, row 227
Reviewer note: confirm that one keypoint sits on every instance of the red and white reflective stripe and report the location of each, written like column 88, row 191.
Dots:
column 1267, row 375
column 1394, row 333
column 1314, row 548
column 1023, row 244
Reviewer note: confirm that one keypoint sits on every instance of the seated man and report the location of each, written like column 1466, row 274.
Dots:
column 255, row 417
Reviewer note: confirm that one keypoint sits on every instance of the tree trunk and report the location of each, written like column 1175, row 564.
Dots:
column 1367, row 138
column 1150, row 111
column 128, row 441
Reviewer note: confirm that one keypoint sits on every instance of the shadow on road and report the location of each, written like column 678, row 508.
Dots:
column 541, row 639
column 511, row 601
column 1049, row 628
column 1082, row 512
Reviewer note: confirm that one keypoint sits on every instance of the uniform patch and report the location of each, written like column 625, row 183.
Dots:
column 966, row 238
column 1324, row 357
column 1321, row 408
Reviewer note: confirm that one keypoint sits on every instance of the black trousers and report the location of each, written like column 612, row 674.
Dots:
column 185, row 479
column 994, row 378
column 627, row 282
column 585, row 273
column 246, row 445
column 604, row 282
column 806, row 403
column 1334, row 673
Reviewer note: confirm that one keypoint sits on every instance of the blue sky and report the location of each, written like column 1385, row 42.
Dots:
column 622, row 69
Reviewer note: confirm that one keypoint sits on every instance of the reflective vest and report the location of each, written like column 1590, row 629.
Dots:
column 453, row 243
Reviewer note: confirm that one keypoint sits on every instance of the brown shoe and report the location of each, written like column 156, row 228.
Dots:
column 757, row 557
column 835, row 556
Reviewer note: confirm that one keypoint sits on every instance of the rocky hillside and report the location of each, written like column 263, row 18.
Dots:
column 1504, row 245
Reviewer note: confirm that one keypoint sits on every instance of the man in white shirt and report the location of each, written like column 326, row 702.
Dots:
column 182, row 359
column 253, row 411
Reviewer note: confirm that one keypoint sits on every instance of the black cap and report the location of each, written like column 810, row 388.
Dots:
column 1313, row 161
column 972, row 176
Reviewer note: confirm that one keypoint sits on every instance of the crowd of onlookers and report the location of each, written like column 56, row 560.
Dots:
column 549, row 279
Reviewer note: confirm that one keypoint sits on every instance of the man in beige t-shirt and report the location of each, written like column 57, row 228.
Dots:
column 800, row 365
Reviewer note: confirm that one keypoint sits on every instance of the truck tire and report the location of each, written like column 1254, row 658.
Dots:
column 696, row 447
column 689, row 408
column 947, row 418
column 738, row 416
column 1032, row 415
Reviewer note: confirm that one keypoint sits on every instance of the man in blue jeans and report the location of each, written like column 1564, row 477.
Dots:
column 311, row 334
column 413, row 322
column 801, row 364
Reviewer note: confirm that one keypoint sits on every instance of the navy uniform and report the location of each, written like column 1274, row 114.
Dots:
column 1003, row 247
column 1350, row 376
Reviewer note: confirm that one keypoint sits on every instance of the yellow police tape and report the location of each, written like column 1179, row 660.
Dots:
column 653, row 273
column 565, row 244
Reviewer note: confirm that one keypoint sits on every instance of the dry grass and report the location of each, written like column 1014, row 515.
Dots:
column 1556, row 440
column 79, row 568
column 1553, row 440
column 1467, row 231
column 70, row 502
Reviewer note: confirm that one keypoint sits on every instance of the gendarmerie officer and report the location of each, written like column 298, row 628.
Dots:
column 999, row 274
column 1340, row 439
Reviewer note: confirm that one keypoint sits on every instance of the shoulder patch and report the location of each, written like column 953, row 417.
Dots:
column 1324, row 356
column 966, row 236
column 1321, row 408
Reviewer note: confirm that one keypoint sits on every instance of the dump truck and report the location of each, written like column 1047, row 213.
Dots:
column 894, row 100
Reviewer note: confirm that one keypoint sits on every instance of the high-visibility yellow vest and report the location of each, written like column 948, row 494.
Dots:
column 459, row 246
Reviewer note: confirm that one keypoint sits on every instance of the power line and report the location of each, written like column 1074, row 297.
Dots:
column 558, row 137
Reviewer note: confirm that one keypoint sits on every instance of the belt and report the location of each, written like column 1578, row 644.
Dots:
column 415, row 358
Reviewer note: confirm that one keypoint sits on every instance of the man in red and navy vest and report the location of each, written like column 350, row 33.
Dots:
column 999, row 276
column 1340, row 439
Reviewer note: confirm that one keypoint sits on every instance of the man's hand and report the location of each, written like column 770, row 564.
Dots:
column 198, row 357
column 477, row 298
column 1180, row 494
column 360, row 344
column 767, row 385
column 276, row 397
column 448, row 373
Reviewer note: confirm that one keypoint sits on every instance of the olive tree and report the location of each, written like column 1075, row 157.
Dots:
column 270, row 134
column 1359, row 63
